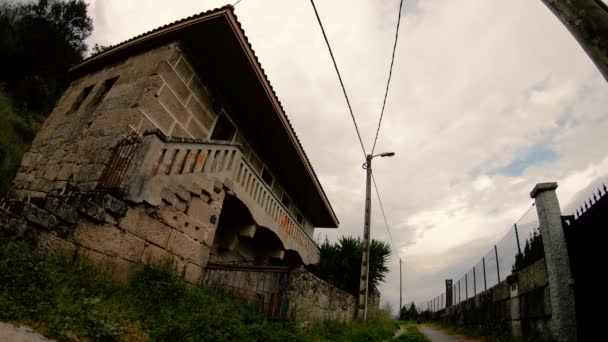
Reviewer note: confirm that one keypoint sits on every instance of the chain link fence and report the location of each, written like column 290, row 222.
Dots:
column 519, row 248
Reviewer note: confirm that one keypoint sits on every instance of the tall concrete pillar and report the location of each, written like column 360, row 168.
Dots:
column 587, row 20
column 563, row 314
column 448, row 293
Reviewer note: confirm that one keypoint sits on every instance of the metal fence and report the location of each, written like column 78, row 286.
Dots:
column 262, row 287
column 515, row 250
column 116, row 168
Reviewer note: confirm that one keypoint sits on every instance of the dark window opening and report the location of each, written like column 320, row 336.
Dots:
column 285, row 200
column 80, row 99
column 101, row 93
column 267, row 177
column 300, row 218
column 2, row 156
column 224, row 129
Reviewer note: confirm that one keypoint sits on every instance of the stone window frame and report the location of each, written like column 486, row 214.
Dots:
column 82, row 97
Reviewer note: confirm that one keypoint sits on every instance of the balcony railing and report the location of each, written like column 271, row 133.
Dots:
column 177, row 157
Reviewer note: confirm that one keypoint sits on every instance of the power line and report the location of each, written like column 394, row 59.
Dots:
column 384, row 216
column 236, row 3
column 340, row 78
column 390, row 74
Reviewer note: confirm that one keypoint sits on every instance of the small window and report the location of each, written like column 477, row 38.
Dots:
column 101, row 93
column 224, row 129
column 300, row 218
column 285, row 200
column 267, row 176
column 80, row 99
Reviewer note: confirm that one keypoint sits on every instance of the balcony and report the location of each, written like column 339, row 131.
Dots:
column 162, row 161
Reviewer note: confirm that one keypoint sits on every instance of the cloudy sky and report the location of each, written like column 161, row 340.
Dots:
column 488, row 98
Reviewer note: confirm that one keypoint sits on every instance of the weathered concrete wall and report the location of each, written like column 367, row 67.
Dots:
column 519, row 306
column 124, row 235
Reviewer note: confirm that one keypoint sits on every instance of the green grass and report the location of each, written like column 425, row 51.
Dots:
column 18, row 127
column 71, row 301
column 412, row 334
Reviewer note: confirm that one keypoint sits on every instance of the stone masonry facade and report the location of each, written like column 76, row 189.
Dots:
column 153, row 89
column 121, row 235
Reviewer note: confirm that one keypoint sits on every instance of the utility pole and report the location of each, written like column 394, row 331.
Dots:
column 364, row 280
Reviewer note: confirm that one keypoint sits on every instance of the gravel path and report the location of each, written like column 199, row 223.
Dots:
column 14, row 333
column 436, row 335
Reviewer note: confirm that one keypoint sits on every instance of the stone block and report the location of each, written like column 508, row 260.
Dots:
column 185, row 247
column 188, row 225
column 156, row 112
column 180, row 132
column 145, row 125
column 109, row 240
column 182, row 193
column 181, row 205
column 91, row 211
column 111, row 204
column 173, row 105
column 173, row 80
column 54, row 245
column 197, row 130
column 199, row 90
column 61, row 210
column 168, row 196
column 193, row 273
column 183, row 70
column 141, row 224
column 38, row 216
column 158, row 256
column 200, row 210
column 200, row 113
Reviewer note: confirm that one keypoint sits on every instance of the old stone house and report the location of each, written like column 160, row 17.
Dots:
column 179, row 148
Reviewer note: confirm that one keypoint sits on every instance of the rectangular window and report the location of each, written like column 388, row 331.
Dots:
column 300, row 218
column 267, row 176
column 80, row 99
column 101, row 94
column 224, row 129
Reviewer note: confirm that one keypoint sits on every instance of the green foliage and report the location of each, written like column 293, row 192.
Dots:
column 533, row 252
column 76, row 301
column 39, row 42
column 409, row 314
column 18, row 129
column 412, row 334
column 340, row 263
column 379, row 327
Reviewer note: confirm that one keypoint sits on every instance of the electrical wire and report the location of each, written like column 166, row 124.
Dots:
column 390, row 74
column 339, row 77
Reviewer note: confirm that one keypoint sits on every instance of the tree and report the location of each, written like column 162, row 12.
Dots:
column 533, row 252
column 39, row 42
column 340, row 263
column 409, row 314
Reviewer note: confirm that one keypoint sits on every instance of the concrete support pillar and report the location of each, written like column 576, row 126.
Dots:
column 587, row 20
column 448, row 293
column 563, row 314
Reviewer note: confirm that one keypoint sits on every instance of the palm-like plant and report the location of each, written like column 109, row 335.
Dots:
column 340, row 263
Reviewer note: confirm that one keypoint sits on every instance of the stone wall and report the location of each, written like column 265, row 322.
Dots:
column 123, row 235
column 518, row 306
column 310, row 299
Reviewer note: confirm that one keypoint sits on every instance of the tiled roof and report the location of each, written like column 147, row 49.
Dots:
column 219, row 10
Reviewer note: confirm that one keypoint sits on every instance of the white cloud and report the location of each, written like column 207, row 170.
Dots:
column 477, row 86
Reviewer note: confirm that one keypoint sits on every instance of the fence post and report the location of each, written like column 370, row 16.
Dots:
column 448, row 293
column 474, row 282
column 497, row 265
column 459, row 300
column 466, row 286
column 485, row 283
column 517, row 238
column 563, row 314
